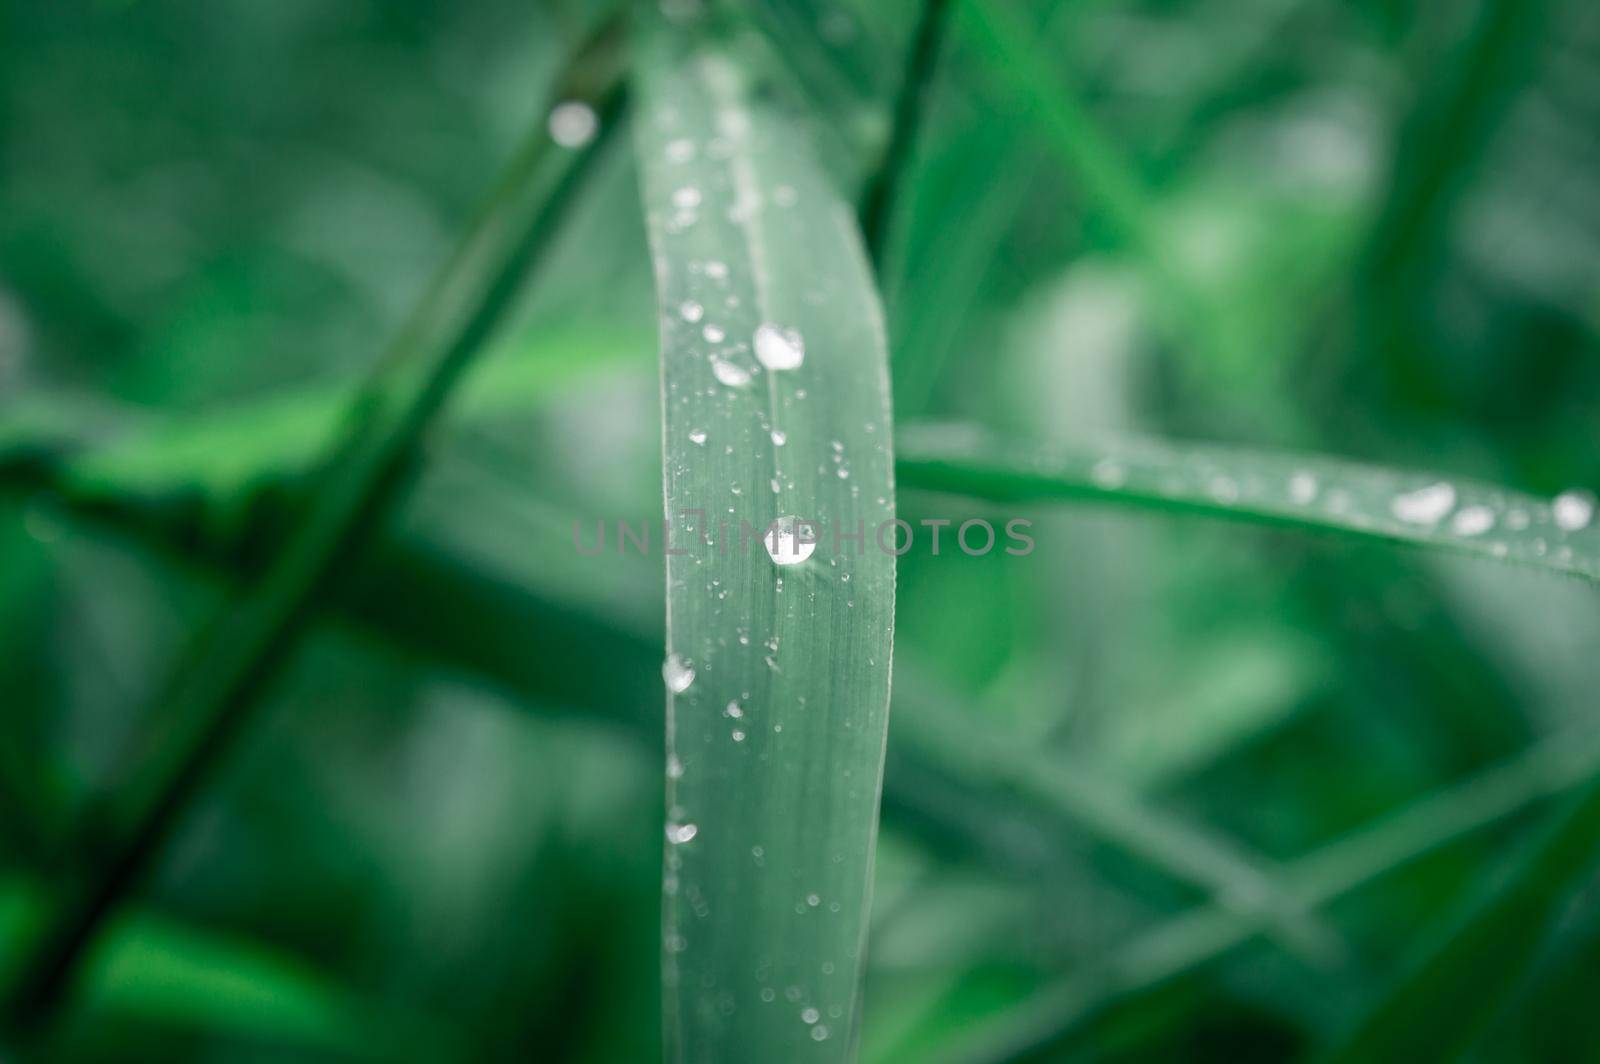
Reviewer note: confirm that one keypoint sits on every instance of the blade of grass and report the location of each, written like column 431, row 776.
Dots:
column 935, row 733
column 211, row 693
column 1443, row 1007
column 154, row 970
column 883, row 185
column 597, row 655
column 1062, row 1012
column 1113, row 189
column 778, row 675
column 1313, row 493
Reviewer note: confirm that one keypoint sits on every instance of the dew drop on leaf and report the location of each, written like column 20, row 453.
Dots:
column 728, row 373
column 1425, row 506
column 779, row 349
column 573, row 124
column 677, row 674
column 1573, row 510
column 785, row 543
column 1472, row 521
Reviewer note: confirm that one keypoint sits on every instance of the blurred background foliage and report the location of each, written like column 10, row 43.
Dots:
column 1369, row 228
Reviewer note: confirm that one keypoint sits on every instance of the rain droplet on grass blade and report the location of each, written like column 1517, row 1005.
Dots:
column 697, row 436
column 1472, row 521
column 691, row 311
column 779, row 349
column 677, row 674
column 728, row 373
column 1573, row 510
column 678, row 834
column 1425, row 506
column 713, row 334
column 573, row 123
column 789, row 541
column 1302, row 489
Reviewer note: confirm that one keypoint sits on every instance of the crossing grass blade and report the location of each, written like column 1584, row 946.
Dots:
column 1443, row 1006
column 212, row 691
column 1312, row 493
column 777, row 675
column 1061, row 1012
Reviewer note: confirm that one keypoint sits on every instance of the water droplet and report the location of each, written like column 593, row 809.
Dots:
column 1302, row 488
column 788, row 541
column 678, row 834
column 1108, row 474
column 713, row 333
column 819, row 1033
column 776, row 487
column 768, row 994
column 733, row 710
column 674, row 767
column 697, row 436
column 691, row 311
column 779, row 437
column 680, row 150
column 1472, row 521
column 686, row 198
column 573, row 123
column 779, row 349
column 813, row 900
column 1224, row 490
column 716, row 270
column 810, row 1015
column 1425, row 506
column 1573, row 510
column 738, row 736
column 731, row 375
column 677, row 673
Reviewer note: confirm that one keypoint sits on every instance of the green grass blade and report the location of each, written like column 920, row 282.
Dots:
column 1441, row 1008
column 1313, row 493
column 778, row 676
column 935, row 733
column 1061, row 1012
column 209, row 696
column 1020, row 66
column 879, row 198
column 153, row 970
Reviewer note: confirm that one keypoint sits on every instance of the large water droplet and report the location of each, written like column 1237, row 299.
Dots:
column 779, row 349
column 678, row 834
column 1425, row 506
column 1573, row 510
column 789, row 541
column 677, row 674
column 573, row 124
column 728, row 373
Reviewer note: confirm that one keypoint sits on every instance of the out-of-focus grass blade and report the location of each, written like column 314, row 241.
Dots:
column 1441, row 1008
column 936, row 734
column 1055, row 1016
column 153, row 970
column 1021, row 66
column 210, row 693
column 775, row 405
column 1315, row 493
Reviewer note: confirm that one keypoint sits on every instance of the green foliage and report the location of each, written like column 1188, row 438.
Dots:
column 324, row 741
